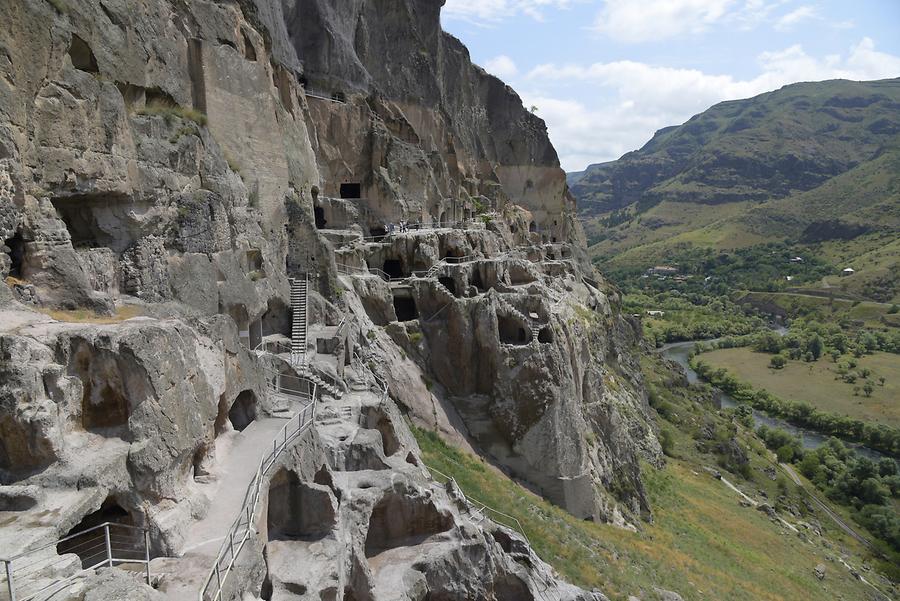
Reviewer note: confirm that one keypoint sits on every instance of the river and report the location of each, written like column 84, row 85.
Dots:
column 810, row 439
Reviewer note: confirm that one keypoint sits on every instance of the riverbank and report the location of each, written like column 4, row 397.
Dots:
column 681, row 353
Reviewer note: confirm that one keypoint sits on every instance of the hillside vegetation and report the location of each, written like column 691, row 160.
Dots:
column 815, row 166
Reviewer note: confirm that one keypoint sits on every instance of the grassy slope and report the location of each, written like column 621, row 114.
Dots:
column 815, row 382
column 702, row 543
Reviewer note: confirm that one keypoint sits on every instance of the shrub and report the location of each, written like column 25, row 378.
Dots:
column 667, row 442
column 777, row 362
column 170, row 112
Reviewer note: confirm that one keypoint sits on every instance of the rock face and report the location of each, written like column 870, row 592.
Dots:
column 166, row 168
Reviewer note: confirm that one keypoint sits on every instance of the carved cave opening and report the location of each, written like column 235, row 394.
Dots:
column 249, row 48
column 16, row 246
column 532, row 227
column 298, row 510
column 448, row 283
column 243, row 410
column 405, row 308
column 377, row 419
column 377, row 232
column 82, row 56
column 100, row 221
column 545, row 336
column 351, row 190
column 200, row 464
column 319, row 214
column 90, row 547
column 105, row 407
column 394, row 268
column 399, row 520
column 511, row 331
column 476, row 280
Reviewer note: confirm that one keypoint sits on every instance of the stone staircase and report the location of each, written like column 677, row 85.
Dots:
column 299, row 323
column 329, row 388
column 535, row 332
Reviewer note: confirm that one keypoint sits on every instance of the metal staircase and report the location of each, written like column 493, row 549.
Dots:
column 300, row 319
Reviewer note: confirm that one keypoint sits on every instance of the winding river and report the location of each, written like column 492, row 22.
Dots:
column 810, row 439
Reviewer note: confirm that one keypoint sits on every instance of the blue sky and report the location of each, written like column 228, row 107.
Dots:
column 606, row 74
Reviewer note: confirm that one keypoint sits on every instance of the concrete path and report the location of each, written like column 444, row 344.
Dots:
column 185, row 575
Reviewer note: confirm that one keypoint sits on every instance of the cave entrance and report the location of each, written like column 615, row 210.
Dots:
column 545, row 336
column 405, row 307
column 82, row 57
column 532, row 227
column 243, row 410
column 200, row 464
column 377, row 419
column 448, row 283
column 91, row 546
column 511, row 331
column 443, row 218
column 394, row 269
column 378, row 233
column 477, row 280
column 298, row 510
column 402, row 521
column 351, row 191
column 16, row 246
column 319, row 213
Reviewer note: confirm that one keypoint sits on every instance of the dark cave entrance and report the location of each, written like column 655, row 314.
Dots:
column 91, row 546
column 243, row 410
column 448, row 283
column 545, row 336
column 200, row 464
column 405, row 308
column 532, row 227
column 378, row 233
column 443, row 218
column 511, row 331
column 477, row 280
column 16, row 246
column 297, row 510
column 351, row 191
column 377, row 419
column 320, row 218
column 401, row 521
column 82, row 56
column 394, row 269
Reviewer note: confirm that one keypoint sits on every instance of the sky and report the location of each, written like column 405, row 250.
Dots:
column 606, row 74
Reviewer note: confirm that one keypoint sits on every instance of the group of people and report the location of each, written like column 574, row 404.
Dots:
column 404, row 226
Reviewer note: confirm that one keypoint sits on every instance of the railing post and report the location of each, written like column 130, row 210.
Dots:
column 147, row 553
column 9, row 581
column 108, row 544
column 219, row 578
column 231, row 543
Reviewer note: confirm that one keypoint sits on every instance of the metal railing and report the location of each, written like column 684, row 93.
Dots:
column 380, row 382
column 32, row 573
column 479, row 510
column 243, row 528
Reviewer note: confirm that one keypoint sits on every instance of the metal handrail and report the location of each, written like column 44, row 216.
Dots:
column 479, row 506
column 379, row 381
column 105, row 549
column 242, row 528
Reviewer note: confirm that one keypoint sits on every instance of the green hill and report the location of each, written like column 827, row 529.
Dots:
column 816, row 165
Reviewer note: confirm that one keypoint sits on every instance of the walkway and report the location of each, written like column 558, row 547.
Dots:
column 184, row 576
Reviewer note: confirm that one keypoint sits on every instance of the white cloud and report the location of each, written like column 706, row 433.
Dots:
column 634, row 99
column 631, row 21
column 502, row 66
column 485, row 12
column 798, row 15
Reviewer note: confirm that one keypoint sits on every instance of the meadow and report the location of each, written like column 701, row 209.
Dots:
column 818, row 382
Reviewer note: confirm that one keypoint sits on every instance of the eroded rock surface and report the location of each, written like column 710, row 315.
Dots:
column 165, row 170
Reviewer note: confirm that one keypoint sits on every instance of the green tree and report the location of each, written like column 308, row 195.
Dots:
column 777, row 362
column 868, row 388
column 835, row 355
column 815, row 346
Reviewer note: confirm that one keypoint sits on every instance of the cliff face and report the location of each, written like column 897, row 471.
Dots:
column 179, row 162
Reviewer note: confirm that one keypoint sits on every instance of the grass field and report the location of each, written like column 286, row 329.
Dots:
column 815, row 382
column 702, row 543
